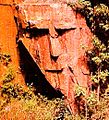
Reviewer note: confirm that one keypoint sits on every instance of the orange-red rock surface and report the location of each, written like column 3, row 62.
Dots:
column 8, row 32
column 60, row 53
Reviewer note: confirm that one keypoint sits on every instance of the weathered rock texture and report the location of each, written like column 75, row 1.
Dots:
column 57, row 38
column 8, row 32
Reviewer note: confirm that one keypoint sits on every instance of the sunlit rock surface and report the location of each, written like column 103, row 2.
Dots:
column 8, row 32
column 57, row 38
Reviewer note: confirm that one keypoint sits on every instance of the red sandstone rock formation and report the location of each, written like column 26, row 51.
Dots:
column 60, row 53
column 8, row 32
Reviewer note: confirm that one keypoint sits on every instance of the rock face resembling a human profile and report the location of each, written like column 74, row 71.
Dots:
column 57, row 38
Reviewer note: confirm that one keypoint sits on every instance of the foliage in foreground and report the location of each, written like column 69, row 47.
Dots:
column 17, row 103
column 20, row 103
column 35, row 108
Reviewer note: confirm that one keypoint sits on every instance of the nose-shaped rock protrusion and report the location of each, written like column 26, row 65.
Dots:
column 52, row 30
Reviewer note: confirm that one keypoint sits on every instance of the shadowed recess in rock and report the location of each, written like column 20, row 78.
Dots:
column 33, row 74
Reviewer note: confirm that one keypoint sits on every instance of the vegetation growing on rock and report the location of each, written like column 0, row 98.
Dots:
column 17, row 102
column 95, row 105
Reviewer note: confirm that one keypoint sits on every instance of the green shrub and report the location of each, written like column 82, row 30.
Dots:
column 9, row 76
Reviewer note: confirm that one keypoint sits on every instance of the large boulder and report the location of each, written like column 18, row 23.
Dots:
column 60, row 38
